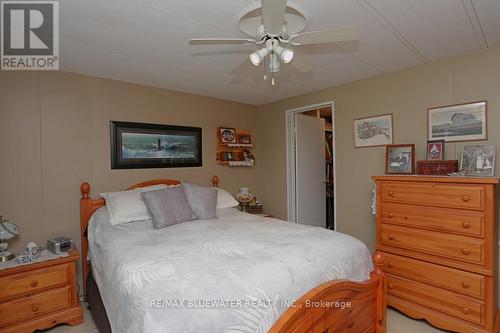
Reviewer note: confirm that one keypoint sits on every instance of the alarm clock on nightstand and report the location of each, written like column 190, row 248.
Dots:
column 60, row 245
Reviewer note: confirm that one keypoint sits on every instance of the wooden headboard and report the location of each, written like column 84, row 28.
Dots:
column 88, row 206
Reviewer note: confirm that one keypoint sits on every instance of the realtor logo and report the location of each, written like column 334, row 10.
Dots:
column 30, row 35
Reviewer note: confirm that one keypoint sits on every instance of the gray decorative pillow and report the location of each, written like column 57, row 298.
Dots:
column 168, row 206
column 203, row 200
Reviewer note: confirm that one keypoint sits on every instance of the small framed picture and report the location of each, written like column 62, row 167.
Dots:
column 227, row 135
column 229, row 156
column 400, row 159
column 244, row 139
column 373, row 131
column 435, row 150
column 478, row 160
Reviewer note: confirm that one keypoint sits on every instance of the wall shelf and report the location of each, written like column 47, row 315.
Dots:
column 237, row 153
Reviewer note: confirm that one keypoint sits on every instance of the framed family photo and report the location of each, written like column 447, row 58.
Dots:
column 460, row 122
column 373, row 131
column 478, row 160
column 400, row 159
column 139, row 145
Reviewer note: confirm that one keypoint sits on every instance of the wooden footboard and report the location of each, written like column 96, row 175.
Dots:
column 340, row 306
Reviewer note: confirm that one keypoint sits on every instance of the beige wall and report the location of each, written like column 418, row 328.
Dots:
column 407, row 94
column 54, row 134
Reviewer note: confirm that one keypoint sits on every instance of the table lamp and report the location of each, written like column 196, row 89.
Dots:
column 244, row 197
column 8, row 230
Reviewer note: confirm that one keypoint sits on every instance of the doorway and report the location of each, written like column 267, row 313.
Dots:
column 310, row 140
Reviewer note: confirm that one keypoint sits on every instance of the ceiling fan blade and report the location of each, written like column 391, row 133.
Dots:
column 329, row 48
column 245, row 67
column 301, row 63
column 273, row 15
column 221, row 41
column 325, row 36
column 221, row 53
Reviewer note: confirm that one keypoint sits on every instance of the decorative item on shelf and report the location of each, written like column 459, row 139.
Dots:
column 8, row 230
column 435, row 150
column 227, row 135
column 478, row 160
column 400, row 159
column 233, row 147
column 30, row 254
column 437, row 168
column 460, row 122
column 244, row 197
column 244, row 139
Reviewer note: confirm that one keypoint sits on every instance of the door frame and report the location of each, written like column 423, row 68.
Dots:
column 291, row 160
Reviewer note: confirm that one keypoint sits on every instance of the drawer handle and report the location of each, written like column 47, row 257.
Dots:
column 465, row 285
column 391, row 237
column 34, row 284
column 391, row 194
column 390, row 285
column 465, row 198
column 350, row 325
column 390, row 265
column 391, row 215
column 466, row 252
column 465, row 310
column 35, row 308
column 466, row 225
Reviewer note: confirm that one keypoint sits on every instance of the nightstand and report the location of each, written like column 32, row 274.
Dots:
column 39, row 295
column 257, row 210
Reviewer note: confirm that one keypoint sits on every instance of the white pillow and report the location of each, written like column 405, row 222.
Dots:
column 225, row 199
column 128, row 206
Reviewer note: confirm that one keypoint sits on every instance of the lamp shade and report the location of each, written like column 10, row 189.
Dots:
column 8, row 230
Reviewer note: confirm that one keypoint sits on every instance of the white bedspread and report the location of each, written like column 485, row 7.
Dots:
column 235, row 274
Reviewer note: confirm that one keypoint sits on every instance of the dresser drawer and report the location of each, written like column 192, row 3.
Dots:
column 437, row 299
column 434, row 194
column 32, row 281
column 33, row 306
column 465, row 222
column 466, row 249
column 440, row 276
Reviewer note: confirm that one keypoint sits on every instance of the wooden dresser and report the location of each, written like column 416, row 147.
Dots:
column 39, row 295
column 438, row 236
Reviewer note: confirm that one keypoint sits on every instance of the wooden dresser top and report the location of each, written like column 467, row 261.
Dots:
column 73, row 256
column 439, row 179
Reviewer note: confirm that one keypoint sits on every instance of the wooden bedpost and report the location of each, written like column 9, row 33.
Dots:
column 381, row 306
column 85, row 211
column 215, row 181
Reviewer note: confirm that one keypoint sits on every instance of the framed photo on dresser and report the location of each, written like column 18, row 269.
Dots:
column 435, row 150
column 400, row 159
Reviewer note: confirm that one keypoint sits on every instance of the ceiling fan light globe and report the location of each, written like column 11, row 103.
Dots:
column 255, row 58
column 258, row 56
column 286, row 56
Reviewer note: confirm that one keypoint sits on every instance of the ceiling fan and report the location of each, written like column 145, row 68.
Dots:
column 276, row 30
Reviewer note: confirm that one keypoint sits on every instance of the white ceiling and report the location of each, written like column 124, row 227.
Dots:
column 146, row 41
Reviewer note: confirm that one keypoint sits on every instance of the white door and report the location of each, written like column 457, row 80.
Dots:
column 310, row 170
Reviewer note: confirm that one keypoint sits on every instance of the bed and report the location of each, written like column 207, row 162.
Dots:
column 235, row 274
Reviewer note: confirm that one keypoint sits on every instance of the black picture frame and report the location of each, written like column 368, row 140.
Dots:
column 192, row 145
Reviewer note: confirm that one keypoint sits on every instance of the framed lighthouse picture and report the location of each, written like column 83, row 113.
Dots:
column 141, row 145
